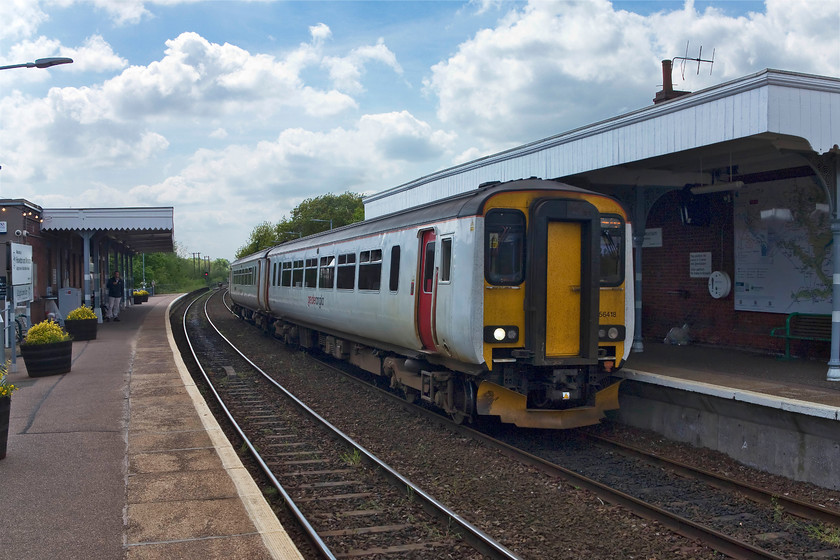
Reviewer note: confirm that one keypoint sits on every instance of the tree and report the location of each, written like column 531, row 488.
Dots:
column 262, row 237
column 313, row 215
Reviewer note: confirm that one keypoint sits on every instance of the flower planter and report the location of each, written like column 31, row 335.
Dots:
column 144, row 299
column 5, row 409
column 47, row 359
column 81, row 329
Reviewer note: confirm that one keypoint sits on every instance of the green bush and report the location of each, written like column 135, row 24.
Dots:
column 83, row 312
column 45, row 332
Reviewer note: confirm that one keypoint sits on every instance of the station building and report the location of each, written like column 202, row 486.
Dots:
column 55, row 259
column 733, row 197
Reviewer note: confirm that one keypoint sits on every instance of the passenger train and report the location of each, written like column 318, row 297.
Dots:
column 512, row 300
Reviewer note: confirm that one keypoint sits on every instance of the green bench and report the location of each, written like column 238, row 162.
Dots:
column 803, row 326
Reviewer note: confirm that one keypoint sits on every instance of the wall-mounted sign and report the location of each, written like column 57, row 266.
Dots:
column 700, row 265
column 653, row 237
column 3, row 227
column 22, row 294
column 21, row 264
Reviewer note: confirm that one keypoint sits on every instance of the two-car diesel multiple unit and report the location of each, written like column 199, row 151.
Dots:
column 512, row 300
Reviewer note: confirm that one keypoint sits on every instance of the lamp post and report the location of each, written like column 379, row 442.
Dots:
column 325, row 221
column 40, row 63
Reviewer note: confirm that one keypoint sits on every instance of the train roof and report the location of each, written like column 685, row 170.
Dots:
column 470, row 203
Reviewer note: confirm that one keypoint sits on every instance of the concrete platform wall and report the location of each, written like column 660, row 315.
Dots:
column 798, row 446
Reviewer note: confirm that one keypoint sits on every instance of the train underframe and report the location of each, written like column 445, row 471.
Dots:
column 549, row 397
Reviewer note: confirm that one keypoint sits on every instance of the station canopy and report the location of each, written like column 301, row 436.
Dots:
column 139, row 229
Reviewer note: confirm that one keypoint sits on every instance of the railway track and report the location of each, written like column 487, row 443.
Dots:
column 739, row 529
column 348, row 502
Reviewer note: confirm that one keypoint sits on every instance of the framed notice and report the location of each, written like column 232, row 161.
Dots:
column 700, row 265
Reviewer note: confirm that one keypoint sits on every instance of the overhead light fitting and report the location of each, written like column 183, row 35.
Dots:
column 717, row 187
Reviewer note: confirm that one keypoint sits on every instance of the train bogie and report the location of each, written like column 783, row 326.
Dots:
column 511, row 301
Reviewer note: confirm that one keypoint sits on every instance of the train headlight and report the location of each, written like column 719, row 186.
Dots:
column 501, row 334
column 611, row 333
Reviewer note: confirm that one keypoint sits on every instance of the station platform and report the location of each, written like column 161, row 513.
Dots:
column 797, row 385
column 120, row 458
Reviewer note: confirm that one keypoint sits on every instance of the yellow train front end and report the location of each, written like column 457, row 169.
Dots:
column 557, row 306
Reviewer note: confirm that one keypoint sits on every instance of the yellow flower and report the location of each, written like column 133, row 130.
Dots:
column 6, row 388
column 45, row 332
column 82, row 312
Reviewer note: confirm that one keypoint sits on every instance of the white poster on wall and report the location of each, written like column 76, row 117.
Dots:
column 21, row 264
column 783, row 247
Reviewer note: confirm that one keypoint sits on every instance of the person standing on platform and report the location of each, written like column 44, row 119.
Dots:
column 115, row 288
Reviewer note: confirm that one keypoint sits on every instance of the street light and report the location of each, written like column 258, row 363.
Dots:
column 40, row 63
column 325, row 221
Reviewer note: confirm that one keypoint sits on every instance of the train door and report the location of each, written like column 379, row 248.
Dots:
column 426, row 293
column 563, row 290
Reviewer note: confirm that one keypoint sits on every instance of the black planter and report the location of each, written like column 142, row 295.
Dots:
column 138, row 300
column 81, row 329
column 144, row 299
column 47, row 359
column 5, row 409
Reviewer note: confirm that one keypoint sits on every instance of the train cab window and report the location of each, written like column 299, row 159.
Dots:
column 394, row 282
column 346, row 276
column 310, row 274
column 612, row 254
column 504, row 247
column 286, row 274
column 445, row 259
column 326, row 273
column 370, row 269
column 429, row 267
column 297, row 273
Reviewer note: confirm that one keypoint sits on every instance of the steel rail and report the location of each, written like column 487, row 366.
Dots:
column 473, row 535
column 721, row 542
column 755, row 493
column 311, row 533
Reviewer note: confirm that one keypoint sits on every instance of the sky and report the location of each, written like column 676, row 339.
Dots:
column 234, row 112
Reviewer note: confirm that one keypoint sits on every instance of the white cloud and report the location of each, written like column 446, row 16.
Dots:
column 346, row 72
column 21, row 19
column 553, row 66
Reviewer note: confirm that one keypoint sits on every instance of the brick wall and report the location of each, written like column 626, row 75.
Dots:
column 672, row 298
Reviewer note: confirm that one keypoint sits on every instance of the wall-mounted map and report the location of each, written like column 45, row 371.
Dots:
column 783, row 248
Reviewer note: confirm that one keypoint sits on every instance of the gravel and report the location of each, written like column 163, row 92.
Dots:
column 532, row 514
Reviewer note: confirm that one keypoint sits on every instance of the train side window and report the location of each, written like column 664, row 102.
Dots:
column 612, row 252
column 504, row 247
column 394, row 282
column 297, row 273
column 445, row 259
column 286, row 274
column 370, row 269
column 326, row 273
column 274, row 274
column 310, row 275
column 346, row 276
column 429, row 267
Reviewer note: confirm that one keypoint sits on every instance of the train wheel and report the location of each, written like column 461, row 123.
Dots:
column 462, row 403
column 410, row 395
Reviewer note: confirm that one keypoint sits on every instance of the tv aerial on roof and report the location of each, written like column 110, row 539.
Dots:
column 698, row 60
